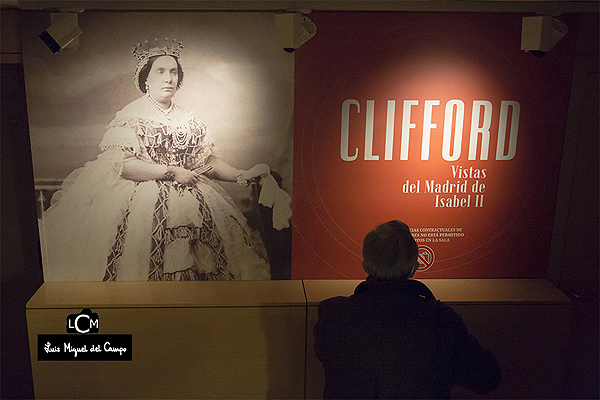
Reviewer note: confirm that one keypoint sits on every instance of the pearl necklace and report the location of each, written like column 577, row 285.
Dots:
column 162, row 110
column 180, row 134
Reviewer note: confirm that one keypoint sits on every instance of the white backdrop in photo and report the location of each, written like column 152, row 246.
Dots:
column 236, row 80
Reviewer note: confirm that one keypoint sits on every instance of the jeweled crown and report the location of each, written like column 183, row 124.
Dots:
column 142, row 51
column 156, row 47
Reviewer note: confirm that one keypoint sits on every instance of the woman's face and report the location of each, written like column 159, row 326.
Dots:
column 162, row 79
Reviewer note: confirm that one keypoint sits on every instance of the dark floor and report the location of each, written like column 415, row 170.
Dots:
column 583, row 372
column 17, row 382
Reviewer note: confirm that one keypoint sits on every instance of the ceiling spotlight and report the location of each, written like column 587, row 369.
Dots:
column 64, row 31
column 540, row 34
column 292, row 30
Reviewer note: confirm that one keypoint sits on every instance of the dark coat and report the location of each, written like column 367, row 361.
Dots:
column 393, row 339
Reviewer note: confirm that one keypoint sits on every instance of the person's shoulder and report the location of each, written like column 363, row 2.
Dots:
column 334, row 304
column 131, row 115
column 186, row 114
column 449, row 320
column 419, row 288
column 336, row 309
column 135, row 107
column 445, row 309
column 333, row 301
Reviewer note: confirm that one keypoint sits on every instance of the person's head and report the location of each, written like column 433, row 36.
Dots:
column 161, row 77
column 148, row 52
column 390, row 252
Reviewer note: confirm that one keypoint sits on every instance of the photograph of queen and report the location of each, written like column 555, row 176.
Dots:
column 150, row 206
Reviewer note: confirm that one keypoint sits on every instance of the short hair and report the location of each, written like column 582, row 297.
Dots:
column 146, row 70
column 389, row 251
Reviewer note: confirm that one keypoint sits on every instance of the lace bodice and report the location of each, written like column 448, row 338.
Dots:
column 142, row 132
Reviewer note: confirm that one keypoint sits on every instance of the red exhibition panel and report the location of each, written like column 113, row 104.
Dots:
column 439, row 120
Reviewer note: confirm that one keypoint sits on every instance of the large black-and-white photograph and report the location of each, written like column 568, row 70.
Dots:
column 162, row 147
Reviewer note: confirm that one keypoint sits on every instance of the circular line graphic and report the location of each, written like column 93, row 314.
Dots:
column 426, row 258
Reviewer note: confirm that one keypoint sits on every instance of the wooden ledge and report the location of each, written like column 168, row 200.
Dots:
column 457, row 291
column 277, row 293
column 168, row 294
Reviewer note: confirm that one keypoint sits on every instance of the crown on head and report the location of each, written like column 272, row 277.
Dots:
column 142, row 51
column 156, row 47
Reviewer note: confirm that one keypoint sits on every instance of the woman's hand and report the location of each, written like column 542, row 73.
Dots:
column 225, row 172
column 256, row 171
column 141, row 171
column 185, row 176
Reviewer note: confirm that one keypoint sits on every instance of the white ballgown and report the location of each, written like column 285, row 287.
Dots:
column 102, row 226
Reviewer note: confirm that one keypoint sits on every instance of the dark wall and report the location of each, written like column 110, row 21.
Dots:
column 574, row 258
column 21, row 273
column 20, row 267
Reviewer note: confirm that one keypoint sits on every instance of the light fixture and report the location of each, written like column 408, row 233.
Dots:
column 293, row 29
column 540, row 34
column 64, row 31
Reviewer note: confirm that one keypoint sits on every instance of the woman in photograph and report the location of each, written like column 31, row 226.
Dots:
column 148, row 207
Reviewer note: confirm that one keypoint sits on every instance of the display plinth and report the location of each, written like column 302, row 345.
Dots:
column 190, row 339
column 253, row 339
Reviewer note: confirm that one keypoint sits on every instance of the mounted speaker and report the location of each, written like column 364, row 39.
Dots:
column 541, row 33
column 292, row 30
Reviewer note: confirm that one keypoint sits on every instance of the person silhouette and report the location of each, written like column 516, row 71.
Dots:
column 392, row 338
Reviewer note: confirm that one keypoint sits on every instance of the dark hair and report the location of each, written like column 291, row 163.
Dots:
column 146, row 70
column 389, row 251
